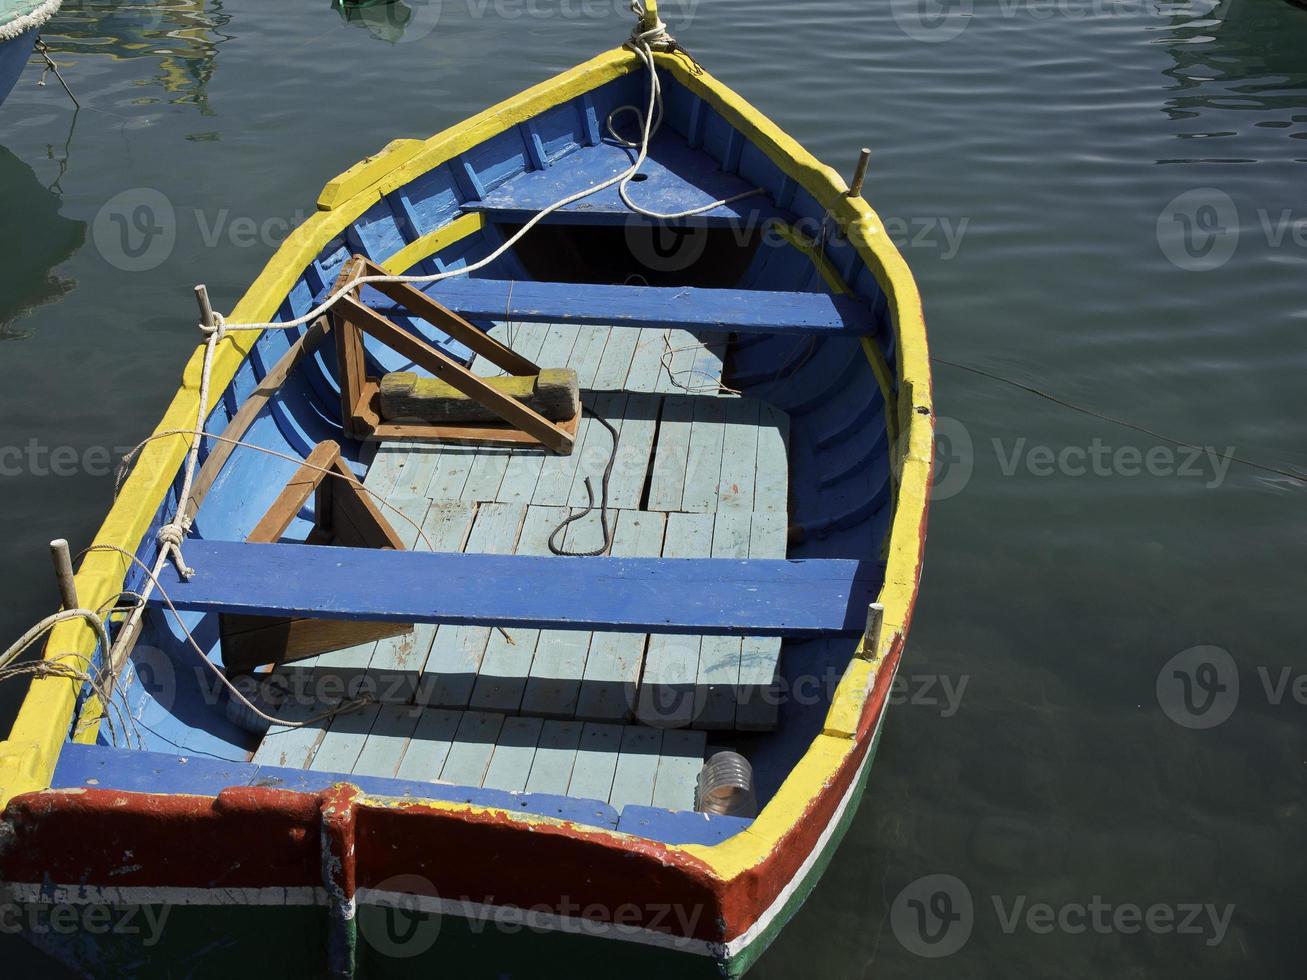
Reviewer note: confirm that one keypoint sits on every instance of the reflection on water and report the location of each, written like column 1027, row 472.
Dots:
column 29, row 213
column 183, row 35
column 1241, row 57
column 386, row 20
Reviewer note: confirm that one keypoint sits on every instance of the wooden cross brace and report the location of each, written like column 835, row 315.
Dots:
column 351, row 319
column 345, row 516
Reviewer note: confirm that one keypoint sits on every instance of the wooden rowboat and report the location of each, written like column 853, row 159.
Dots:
column 19, row 22
column 511, row 778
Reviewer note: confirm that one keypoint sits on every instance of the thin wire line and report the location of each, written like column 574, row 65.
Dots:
column 1094, row 413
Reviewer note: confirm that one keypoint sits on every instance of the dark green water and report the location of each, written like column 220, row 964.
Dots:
column 1030, row 155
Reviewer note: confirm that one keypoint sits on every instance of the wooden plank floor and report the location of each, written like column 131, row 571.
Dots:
column 615, row 717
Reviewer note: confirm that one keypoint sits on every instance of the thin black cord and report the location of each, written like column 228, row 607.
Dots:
column 590, row 492
column 1297, row 477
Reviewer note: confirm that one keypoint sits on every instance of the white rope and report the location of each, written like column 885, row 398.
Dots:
column 55, row 666
column 29, row 21
column 17, row 649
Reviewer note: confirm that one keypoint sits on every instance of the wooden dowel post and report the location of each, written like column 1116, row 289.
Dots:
column 63, row 571
column 860, row 175
column 875, row 619
column 206, row 308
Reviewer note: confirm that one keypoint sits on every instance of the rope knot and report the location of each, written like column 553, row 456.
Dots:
column 170, row 538
column 218, row 329
column 656, row 36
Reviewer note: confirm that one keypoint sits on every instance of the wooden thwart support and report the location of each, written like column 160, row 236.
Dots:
column 345, row 517
column 520, row 424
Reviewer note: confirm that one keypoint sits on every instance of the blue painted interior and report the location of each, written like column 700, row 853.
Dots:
column 839, row 457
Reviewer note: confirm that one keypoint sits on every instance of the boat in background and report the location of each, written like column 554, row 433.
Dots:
column 19, row 22
column 409, row 662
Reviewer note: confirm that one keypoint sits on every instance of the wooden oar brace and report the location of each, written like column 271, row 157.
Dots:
column 517, row 422
column 344, row 516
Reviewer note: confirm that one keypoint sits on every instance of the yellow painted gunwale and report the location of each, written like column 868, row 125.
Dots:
column 28, row 757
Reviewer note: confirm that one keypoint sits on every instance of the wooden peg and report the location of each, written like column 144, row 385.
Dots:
column 206, row 308
column 63, row 571
column 860, row 175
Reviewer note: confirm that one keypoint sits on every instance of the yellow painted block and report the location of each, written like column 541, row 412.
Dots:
column 367, row 172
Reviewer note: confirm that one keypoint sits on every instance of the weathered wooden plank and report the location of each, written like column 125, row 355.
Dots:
column 449, row 675
column 719, row 656
column 671, row 666
column 554, row 686
column 771, row 490
column 387, row 464
column 615, row 364
column 558, row 341
column 486, row 475
column 634, row 448
column 612, row 669
column 507, row 662
column 551, row 768
column 453, row 465
column 704, row 462
column 418, row 471
column 681, row 757
column 671, row 453
column 557, row 472
column 637, row 767
column 739, row 455
column 720, row 310
column 340, row 746
column 757, row 703
column 474, row 745
column 524, row 338
column 390, row 736
column 292, row 748
column 429, row 746
column 510, row 766
column 596, row 762
column 646, row 364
